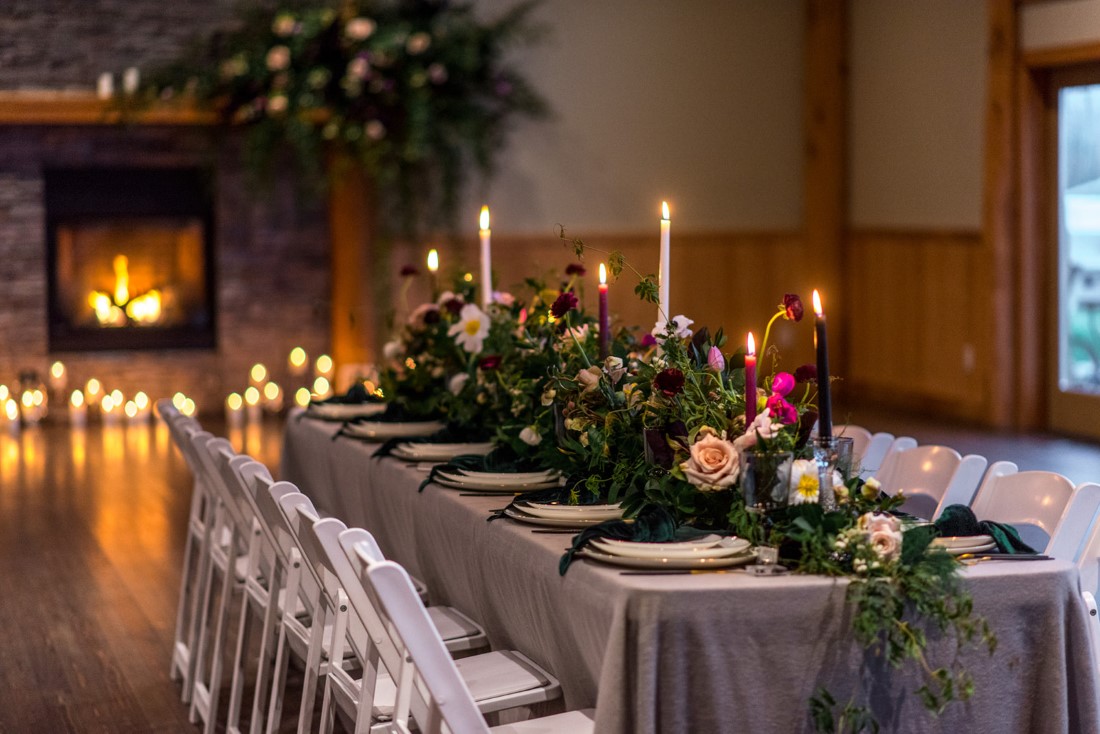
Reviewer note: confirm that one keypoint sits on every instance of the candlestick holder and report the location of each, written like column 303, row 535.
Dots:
column 833, row 456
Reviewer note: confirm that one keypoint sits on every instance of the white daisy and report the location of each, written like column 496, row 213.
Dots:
column 471, row 329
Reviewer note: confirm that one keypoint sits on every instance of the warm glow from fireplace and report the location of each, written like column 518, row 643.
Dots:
column 119, row 308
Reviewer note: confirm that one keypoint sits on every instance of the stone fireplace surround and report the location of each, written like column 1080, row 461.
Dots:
column 272, row 262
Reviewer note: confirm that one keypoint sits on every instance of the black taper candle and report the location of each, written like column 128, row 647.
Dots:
column 824, row 397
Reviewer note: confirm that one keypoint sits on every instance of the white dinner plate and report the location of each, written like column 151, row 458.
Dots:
column 705, row 541
column 439, row 451
column 578, row 523
column 693, row 564
column 983, row 548
column 516, row 476
column 724, row 549
column 521, row 484
column 493, row 488
column 344, row 411
column 598, row 513
column 380, row 431
column 961, row 541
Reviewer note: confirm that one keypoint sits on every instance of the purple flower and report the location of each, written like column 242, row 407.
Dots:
column 575, row 269
column 453, row 305
column 407, row 271
column 648, row 341
column 489, row 362
column 792, row 307
column 670, row 382
column 782, row 384
column 805, row 373
column 782, row 411
column 566, row 302
column 715, row 360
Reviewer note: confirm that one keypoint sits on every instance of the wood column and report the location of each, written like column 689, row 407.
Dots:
column 358, row 267
column 1000, row 223
column 826, row 178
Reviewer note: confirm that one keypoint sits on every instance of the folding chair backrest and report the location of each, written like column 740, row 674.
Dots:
column 1032, row 501
column 1068, row 540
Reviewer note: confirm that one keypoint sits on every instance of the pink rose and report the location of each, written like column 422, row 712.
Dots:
column 589, row 378
column 782, row 384
column 714, row 463
column 883, row 533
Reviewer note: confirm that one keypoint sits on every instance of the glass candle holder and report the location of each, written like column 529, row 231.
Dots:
column 766, row 479
column 833, row 457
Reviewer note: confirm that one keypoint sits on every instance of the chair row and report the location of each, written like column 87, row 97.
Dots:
column 261, row 547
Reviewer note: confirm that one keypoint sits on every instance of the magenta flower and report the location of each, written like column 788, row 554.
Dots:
column 648, row 341
column 566, row 302
column 489, row 362
column 792, row 307
column 715, row 360
column 670, row 382
column 575, row 269
column 782, row 384
column 782, row 411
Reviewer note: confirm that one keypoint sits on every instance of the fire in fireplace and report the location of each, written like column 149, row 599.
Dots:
column 130, row 258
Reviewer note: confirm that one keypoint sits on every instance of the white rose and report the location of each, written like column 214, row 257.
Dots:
column 714, row 462
column 393, row 349
column 530, row 436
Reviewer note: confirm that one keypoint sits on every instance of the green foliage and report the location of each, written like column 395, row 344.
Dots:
column 416, row 93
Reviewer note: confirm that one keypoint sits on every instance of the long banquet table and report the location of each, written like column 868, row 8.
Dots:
column 699, row 653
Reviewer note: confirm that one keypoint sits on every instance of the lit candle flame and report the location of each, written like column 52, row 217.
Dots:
column 752, row 345
column 234, row 401
column 122, row 279
column 77, row 399
column 297, row 357
column 258, row 373
column 603, row 274
column 324, row 364
column 664, row 210
column 301, row 397
column 57, row 370
column 433, row 256
column 141, row 400
column 817, row 304
column 485, row 218
column 271, row 391
column 252, row 396
column 321, row 386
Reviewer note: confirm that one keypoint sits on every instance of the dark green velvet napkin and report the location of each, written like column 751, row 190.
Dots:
column 447, row 435
column 654, row 524
column 960, row 520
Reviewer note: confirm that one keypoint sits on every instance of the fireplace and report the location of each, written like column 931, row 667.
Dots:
column 130, row 259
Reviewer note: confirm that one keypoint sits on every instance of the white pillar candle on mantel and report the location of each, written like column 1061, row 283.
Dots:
column 78, row 410
column 59, row 377
column 234, row 410
column 105, row 86
column 663, row 274
column 325, row 367
column 252, row 400
column 298, row 362
column 486, row 259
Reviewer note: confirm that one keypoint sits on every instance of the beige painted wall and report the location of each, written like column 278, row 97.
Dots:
column 916, row 113
column 1054, row 24
column 696, row 101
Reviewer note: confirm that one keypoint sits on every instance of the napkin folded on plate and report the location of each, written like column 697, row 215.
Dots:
column 447, row 435
column 653, row 524
column 501, row 459
column 960, row 520
column 554, row 494
column 356, row 395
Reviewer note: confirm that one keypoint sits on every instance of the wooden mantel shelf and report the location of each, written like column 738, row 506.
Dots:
column 54, row 107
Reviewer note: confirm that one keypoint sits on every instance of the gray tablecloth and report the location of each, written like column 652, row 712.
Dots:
column 701, row 653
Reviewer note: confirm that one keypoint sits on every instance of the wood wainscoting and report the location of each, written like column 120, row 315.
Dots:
column 918, row 334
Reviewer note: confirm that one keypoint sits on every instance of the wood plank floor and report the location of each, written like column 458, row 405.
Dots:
column 91, row 537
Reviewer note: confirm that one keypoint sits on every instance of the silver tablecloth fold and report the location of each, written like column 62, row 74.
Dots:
column 702, row 653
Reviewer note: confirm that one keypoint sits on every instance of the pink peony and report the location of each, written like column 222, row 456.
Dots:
column 782, row 411
column 782, row 384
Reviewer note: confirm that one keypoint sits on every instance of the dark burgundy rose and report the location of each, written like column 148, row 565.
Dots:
column 489, row 362
column 670, row 381
column 792, row 305
column 648, row 341
column 566, row 302
column 408, row 271
column 432, row 317
column 454, row 305
column 575, row 269
column 805, row 373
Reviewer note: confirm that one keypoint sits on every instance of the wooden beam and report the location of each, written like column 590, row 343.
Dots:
column 1061, row 56
column 48, row 107
column 999, row 219
column 825, row 198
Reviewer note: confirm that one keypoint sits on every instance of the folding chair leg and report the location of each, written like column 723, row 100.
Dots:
column 271, row 629
column 236, row 687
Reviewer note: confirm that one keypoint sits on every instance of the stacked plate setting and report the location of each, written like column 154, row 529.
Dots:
column 711, row 551
column 557, row 515
column 383, row 431
column 344, row 411
column 502, row 482
column 439, row 452
column 960, row 544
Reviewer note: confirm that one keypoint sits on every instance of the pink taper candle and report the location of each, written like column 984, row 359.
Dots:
column 750, row 382
column 605, row 318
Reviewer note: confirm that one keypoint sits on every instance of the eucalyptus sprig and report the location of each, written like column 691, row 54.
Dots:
column 646, row 288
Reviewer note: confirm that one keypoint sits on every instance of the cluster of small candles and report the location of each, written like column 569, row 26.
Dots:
column 265, row 395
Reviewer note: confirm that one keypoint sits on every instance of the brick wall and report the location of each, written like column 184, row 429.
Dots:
column 272, row 266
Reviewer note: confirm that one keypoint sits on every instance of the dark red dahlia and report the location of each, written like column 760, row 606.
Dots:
column 669, row 381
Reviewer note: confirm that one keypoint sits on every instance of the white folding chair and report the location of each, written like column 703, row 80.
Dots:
column 930, row 478
column 1088, row 567
column 877, row 449
column 1068, row 539
column 1032, row 501
column 450, row 705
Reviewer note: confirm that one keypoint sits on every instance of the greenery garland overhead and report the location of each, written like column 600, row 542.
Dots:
column 416, row 92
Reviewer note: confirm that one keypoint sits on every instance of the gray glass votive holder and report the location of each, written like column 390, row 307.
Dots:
column 833, row 456
column 765, row 479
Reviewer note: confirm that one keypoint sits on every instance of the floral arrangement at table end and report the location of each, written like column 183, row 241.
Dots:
column 688, row 400
column 415, row 93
